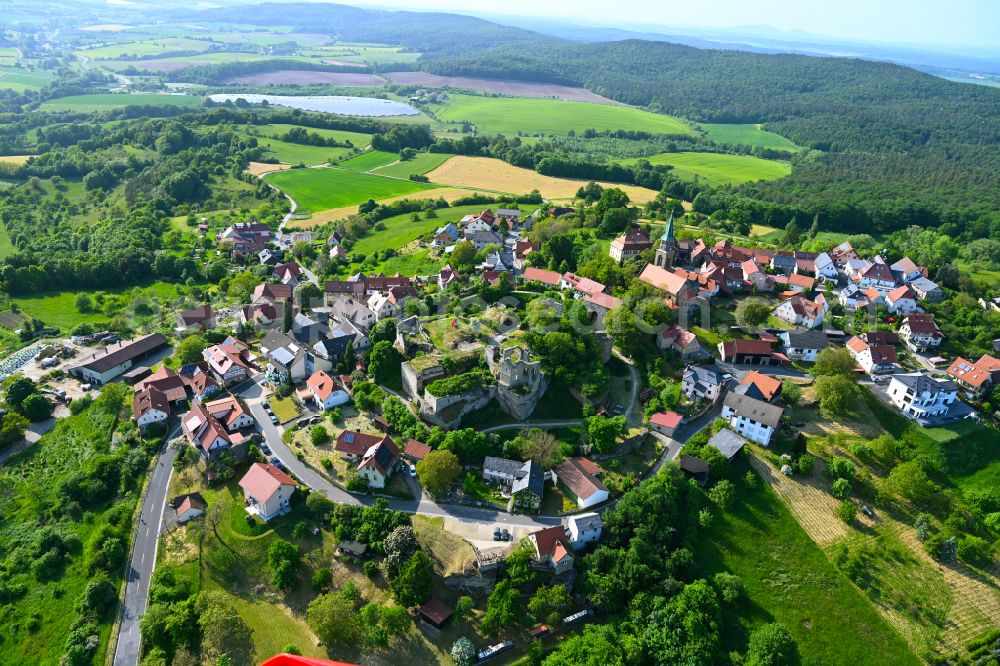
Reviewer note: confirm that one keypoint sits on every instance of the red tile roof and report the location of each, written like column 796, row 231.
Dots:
column 262, row 481
column 665, row 419
column 532, row 274
column 663, row 279
column 321, row 384
column 356, row 443
column 768, row 386
column 580, row 476
column 415, row 449
column 552, row 542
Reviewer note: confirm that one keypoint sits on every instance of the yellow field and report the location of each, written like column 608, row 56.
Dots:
column 14, row 159
column 487, row 173
column 258, row 168
column 332, row 214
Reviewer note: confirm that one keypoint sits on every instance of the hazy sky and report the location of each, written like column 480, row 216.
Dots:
column 969, row 23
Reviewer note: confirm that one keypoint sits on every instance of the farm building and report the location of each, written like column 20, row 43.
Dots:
column 106, row 364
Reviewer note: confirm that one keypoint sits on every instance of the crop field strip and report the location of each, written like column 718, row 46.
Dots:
column 523, row 115
column 324, row 188
column 103, row 101
column 746, row 135
column 719, row 168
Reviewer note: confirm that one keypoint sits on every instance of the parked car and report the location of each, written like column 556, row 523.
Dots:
column 275, row 420
column 277, row 463
column 538, row 632
column 505, row 535
column 413, row 471
column 265, row 449
column 496, row 534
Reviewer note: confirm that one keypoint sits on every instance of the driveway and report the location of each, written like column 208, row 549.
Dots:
column 634, row 419
column 140, row 569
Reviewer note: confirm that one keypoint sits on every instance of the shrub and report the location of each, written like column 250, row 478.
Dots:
column 805, row 464
column 321, row 580
column 319, row 435
column 840, row 488
column 371, row 569
column 722, row 494
column 846, row 510
column 730, row 586
column 862, row 451
column 975, row 550
column 841, row 468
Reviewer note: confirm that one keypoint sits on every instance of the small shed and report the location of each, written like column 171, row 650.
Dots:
column 352, row 549
column 727, row 442
column 436, row 613
column 189, row 506
column 696, row 468
column 381, row 423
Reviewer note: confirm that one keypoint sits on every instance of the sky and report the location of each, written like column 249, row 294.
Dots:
column 968, row 24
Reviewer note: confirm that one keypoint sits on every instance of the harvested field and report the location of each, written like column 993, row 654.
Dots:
column 516, row 88
column 449, row 194
column 813, row 507
column 14, row 159
column 305, row 77
column 487, row 173
column 259, row 168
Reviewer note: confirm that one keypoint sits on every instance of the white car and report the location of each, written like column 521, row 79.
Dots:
column 413, row 471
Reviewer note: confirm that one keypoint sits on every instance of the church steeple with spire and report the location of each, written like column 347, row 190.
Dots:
column 667, row 250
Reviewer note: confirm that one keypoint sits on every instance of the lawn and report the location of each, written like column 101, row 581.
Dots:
column 719, row 168
column 320, row 189
column 420, row 164
column 747, row 135
column 102, row 102
column 370, row 160
column 284, row 408
column 59, row 308
column 402, row 230
column 296, row 153
column 522, row 115
column 789, row 580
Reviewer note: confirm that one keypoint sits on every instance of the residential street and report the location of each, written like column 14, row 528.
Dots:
column 140, row 570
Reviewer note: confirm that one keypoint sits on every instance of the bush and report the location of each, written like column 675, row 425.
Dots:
column 81, row 404
column 319, row 435
column 862, row 451
column 841, row 468
column 840, row 488
column 371, row 569
column 805, row 464
column 730, row 587
column 321, row 580
column 722, row 494
column 975, row 551
column 846, row 511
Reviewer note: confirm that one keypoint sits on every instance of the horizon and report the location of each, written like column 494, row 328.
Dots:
column 968, row 24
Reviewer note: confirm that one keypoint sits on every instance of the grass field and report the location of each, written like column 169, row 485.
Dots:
column 789, row 580
column 720, row 169
column 358, row 139
column 101, row 102
column 6, row 247
column 173, row 63
column 150, row 47
column 514, row 115
column 449, row 194
column 421, row 164
column 296, row 153
column 402, row 230
column 488, row 173
column 19, row 78
column 320, row 189
column 747, row 135
column 370, row 160
column 59, row 308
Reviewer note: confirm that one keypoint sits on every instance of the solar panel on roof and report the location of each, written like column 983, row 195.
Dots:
column 349, row 437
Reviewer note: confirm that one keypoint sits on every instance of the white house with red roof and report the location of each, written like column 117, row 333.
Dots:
column 290, row 273
column 229, row 360
column 978, row 377
column 552, row 548
column 901, row 300
column 267, row 491
column 379, row 462
column 874, row 359
column 685, row 343
column 551, row 278
column 206, row 434
column 876, row 275
column 325, row 391
column 665, row 422
column 149, row 406
column 919, row 332
column 447, row 276
column 581, row 285
column 800, row 311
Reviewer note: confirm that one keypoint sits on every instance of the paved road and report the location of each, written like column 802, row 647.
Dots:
column 140, row 571
column 254, row 396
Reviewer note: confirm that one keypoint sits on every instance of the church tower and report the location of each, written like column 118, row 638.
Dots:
column 667, row 250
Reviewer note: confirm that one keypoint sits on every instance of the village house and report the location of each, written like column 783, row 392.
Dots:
column 759, row 386
column 581, row 286
column 149, row 406
column 290, row 273
column 578, row 479
column 681, row 290
column 209, row 435
column 878, row 276
column 352, row 445
column 267, row 491
column 843, row 253
column 665, row 423
column 901, row 301
column 522, row 248
column 448, row 276
column 927, row 290
column 684, row 343
column 188, row 507
column 288, row 359
column 803, row 345
column 195, row 320
column 755, row 276
column 977, row 378
column 824, row 267
column 261, row 314
column 927, row 400
column 271, row 294
column 229, row 360
column 325, row 392
column 630, row 245
column 583, row 529
column 703, row 382
column 874, row 359
column 550, row 278
column 800, row 283
column 378, row 462
column 509, row 215
column 481, row 239
column 852, row 297
column 905, row 270
column 919, row 332
column 354, row 310
column 552, row 549
column 783, row 262
column 523, row 482
column 245, row 239
column 754, row 419
column 415, row 451
column 198, row 380
column 799, row 311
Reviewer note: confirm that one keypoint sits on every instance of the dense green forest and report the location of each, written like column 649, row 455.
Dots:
column 891, row 146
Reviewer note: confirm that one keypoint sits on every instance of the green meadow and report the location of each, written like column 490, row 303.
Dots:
column 320, row 189
column 421, row 164
column 789, row 580
column 102, row 102
column 296, row 153
column 146, row 48
column 747, row 135
column 719, row 168
column 402, row 229
column 514, row 115
column 19, row 78
column 370, row 160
